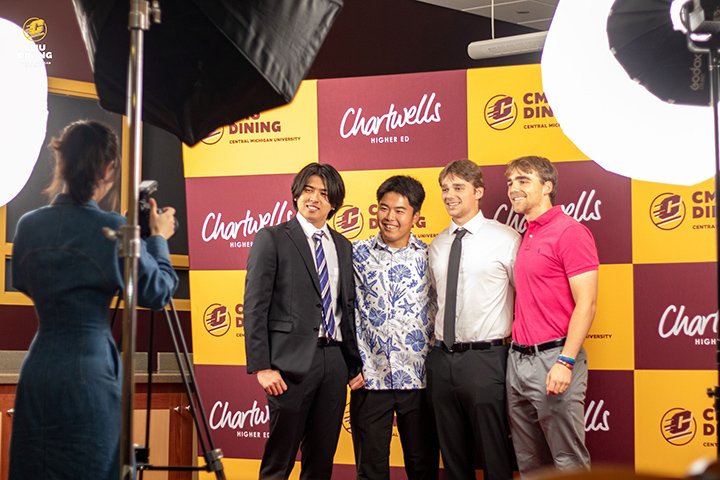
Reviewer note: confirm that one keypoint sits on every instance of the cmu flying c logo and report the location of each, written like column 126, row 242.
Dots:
column 678, row 426
column 500, row 112
column 348, row 221
column 216, row 320
column 667, row 211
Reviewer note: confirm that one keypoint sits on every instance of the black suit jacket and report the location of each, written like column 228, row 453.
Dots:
column 283, row 303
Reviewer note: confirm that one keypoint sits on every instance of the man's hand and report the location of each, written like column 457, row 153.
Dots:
column 272, row 382
column 558, row 379
column 357, row 382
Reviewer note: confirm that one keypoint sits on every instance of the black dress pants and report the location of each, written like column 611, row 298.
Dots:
column 309, row 416
column 371, row 419
column 468, row 399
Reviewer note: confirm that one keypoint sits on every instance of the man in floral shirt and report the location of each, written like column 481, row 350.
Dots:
column 393, row 313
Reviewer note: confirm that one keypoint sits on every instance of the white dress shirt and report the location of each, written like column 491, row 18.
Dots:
column 485, row 292
column 332, row 265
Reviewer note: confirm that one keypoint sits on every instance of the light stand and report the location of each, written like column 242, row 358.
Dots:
column 703, row 36
column 139, row 21
column 200, row 45
column 714, row 65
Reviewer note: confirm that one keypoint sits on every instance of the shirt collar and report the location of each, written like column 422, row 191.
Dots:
column 413, row 242
column 472, row 226
column 309, row 229
column 548, row 216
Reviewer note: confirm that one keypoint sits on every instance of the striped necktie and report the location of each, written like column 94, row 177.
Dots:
column 321, row 263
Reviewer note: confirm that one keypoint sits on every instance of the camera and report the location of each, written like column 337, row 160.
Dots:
column 146, row 189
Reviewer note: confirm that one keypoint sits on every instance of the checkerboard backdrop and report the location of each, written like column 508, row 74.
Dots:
column 651, row 347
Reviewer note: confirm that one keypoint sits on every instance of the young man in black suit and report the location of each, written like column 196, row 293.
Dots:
column 300, row 328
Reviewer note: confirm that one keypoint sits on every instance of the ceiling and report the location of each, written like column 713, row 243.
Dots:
column 535, row 14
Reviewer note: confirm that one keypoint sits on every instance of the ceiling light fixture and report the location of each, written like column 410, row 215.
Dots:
column 505, row 46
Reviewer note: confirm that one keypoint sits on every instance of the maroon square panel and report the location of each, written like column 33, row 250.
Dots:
column 598, row 199
column 610, row 417
column 236, row 409
column 675, row 316
column 225, row 213
column 396, row 121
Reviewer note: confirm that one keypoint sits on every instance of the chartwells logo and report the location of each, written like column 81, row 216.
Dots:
column 218, row 319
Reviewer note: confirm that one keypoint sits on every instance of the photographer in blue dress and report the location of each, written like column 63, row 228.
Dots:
column 67, row 409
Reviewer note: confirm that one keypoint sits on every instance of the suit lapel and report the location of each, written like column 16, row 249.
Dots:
column 297, row 235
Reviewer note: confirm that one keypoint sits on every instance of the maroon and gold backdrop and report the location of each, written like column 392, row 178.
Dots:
column 652, row 344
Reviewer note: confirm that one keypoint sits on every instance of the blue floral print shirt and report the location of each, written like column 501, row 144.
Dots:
column 394, row 308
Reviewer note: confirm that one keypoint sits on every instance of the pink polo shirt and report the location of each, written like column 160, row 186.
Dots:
column 554, row 248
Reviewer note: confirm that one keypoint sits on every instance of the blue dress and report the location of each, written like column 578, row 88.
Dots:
column 66, row 423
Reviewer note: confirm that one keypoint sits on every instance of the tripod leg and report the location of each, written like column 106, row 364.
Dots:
column 213, row 456
column 143, row 454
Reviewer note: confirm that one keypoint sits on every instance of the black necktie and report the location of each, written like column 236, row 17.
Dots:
column 451, row 290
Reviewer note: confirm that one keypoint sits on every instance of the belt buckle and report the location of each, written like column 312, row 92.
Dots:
column 455, row 348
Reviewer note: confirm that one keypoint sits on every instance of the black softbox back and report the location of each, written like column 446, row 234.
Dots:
column 209, row 62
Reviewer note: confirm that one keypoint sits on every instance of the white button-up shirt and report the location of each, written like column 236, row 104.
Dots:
column 485, row 282
column 332, row 265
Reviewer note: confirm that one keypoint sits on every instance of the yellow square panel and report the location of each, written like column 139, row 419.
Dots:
column 281, row 140
column 674, row 420
column 673, row 223
column 610, row 341
column 217, row 316
column 509, row 117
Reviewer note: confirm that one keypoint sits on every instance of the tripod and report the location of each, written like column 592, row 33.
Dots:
column 213, row 456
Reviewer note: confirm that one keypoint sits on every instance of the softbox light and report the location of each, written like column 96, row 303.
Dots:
column 209, row 62
column 642, row 38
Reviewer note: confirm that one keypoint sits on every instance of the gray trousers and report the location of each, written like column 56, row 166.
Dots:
column 547, row 430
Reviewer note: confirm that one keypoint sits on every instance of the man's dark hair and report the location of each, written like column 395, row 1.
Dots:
column 406, row 186
column 540, row 166
column 334, row 184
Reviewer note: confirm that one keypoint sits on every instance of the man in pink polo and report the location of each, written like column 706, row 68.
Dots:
column 556, row 276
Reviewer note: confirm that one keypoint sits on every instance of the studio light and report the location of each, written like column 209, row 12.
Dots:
column 612, row 119
column 23, row 115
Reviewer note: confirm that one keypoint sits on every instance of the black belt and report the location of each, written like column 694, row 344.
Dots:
column 463, row 347
column 540, row 347
column 327, row 342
